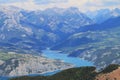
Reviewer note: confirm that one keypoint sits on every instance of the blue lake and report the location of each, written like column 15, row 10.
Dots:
column 64, row 57
column 77, row 62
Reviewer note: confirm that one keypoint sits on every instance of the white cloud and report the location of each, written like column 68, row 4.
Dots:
column 81, row 4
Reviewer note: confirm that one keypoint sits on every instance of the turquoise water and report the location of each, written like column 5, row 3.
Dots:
column 77, row 62
column 64, row 57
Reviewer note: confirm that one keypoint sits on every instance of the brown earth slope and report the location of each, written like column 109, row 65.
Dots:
column 115, row 75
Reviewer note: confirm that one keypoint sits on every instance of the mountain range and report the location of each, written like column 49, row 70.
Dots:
column 96, row 43
column 93, row 36
column 99, row 16
column 35, row 30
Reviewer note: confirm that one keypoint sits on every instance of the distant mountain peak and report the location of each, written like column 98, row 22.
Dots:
column 102, row 15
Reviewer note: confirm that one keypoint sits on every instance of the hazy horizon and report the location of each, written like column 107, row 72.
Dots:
column 83, row 5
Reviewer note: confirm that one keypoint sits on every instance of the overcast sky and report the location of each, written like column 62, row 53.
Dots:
column 83, row 5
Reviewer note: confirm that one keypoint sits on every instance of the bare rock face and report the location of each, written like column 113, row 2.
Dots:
column 29, row 64
column 1, row 62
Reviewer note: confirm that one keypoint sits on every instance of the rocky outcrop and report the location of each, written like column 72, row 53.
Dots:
column 29, row 64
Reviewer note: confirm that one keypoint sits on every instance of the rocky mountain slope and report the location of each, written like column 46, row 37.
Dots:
column 96, row 44
column 99, row 16
column 35, row 30
column 12, row 64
